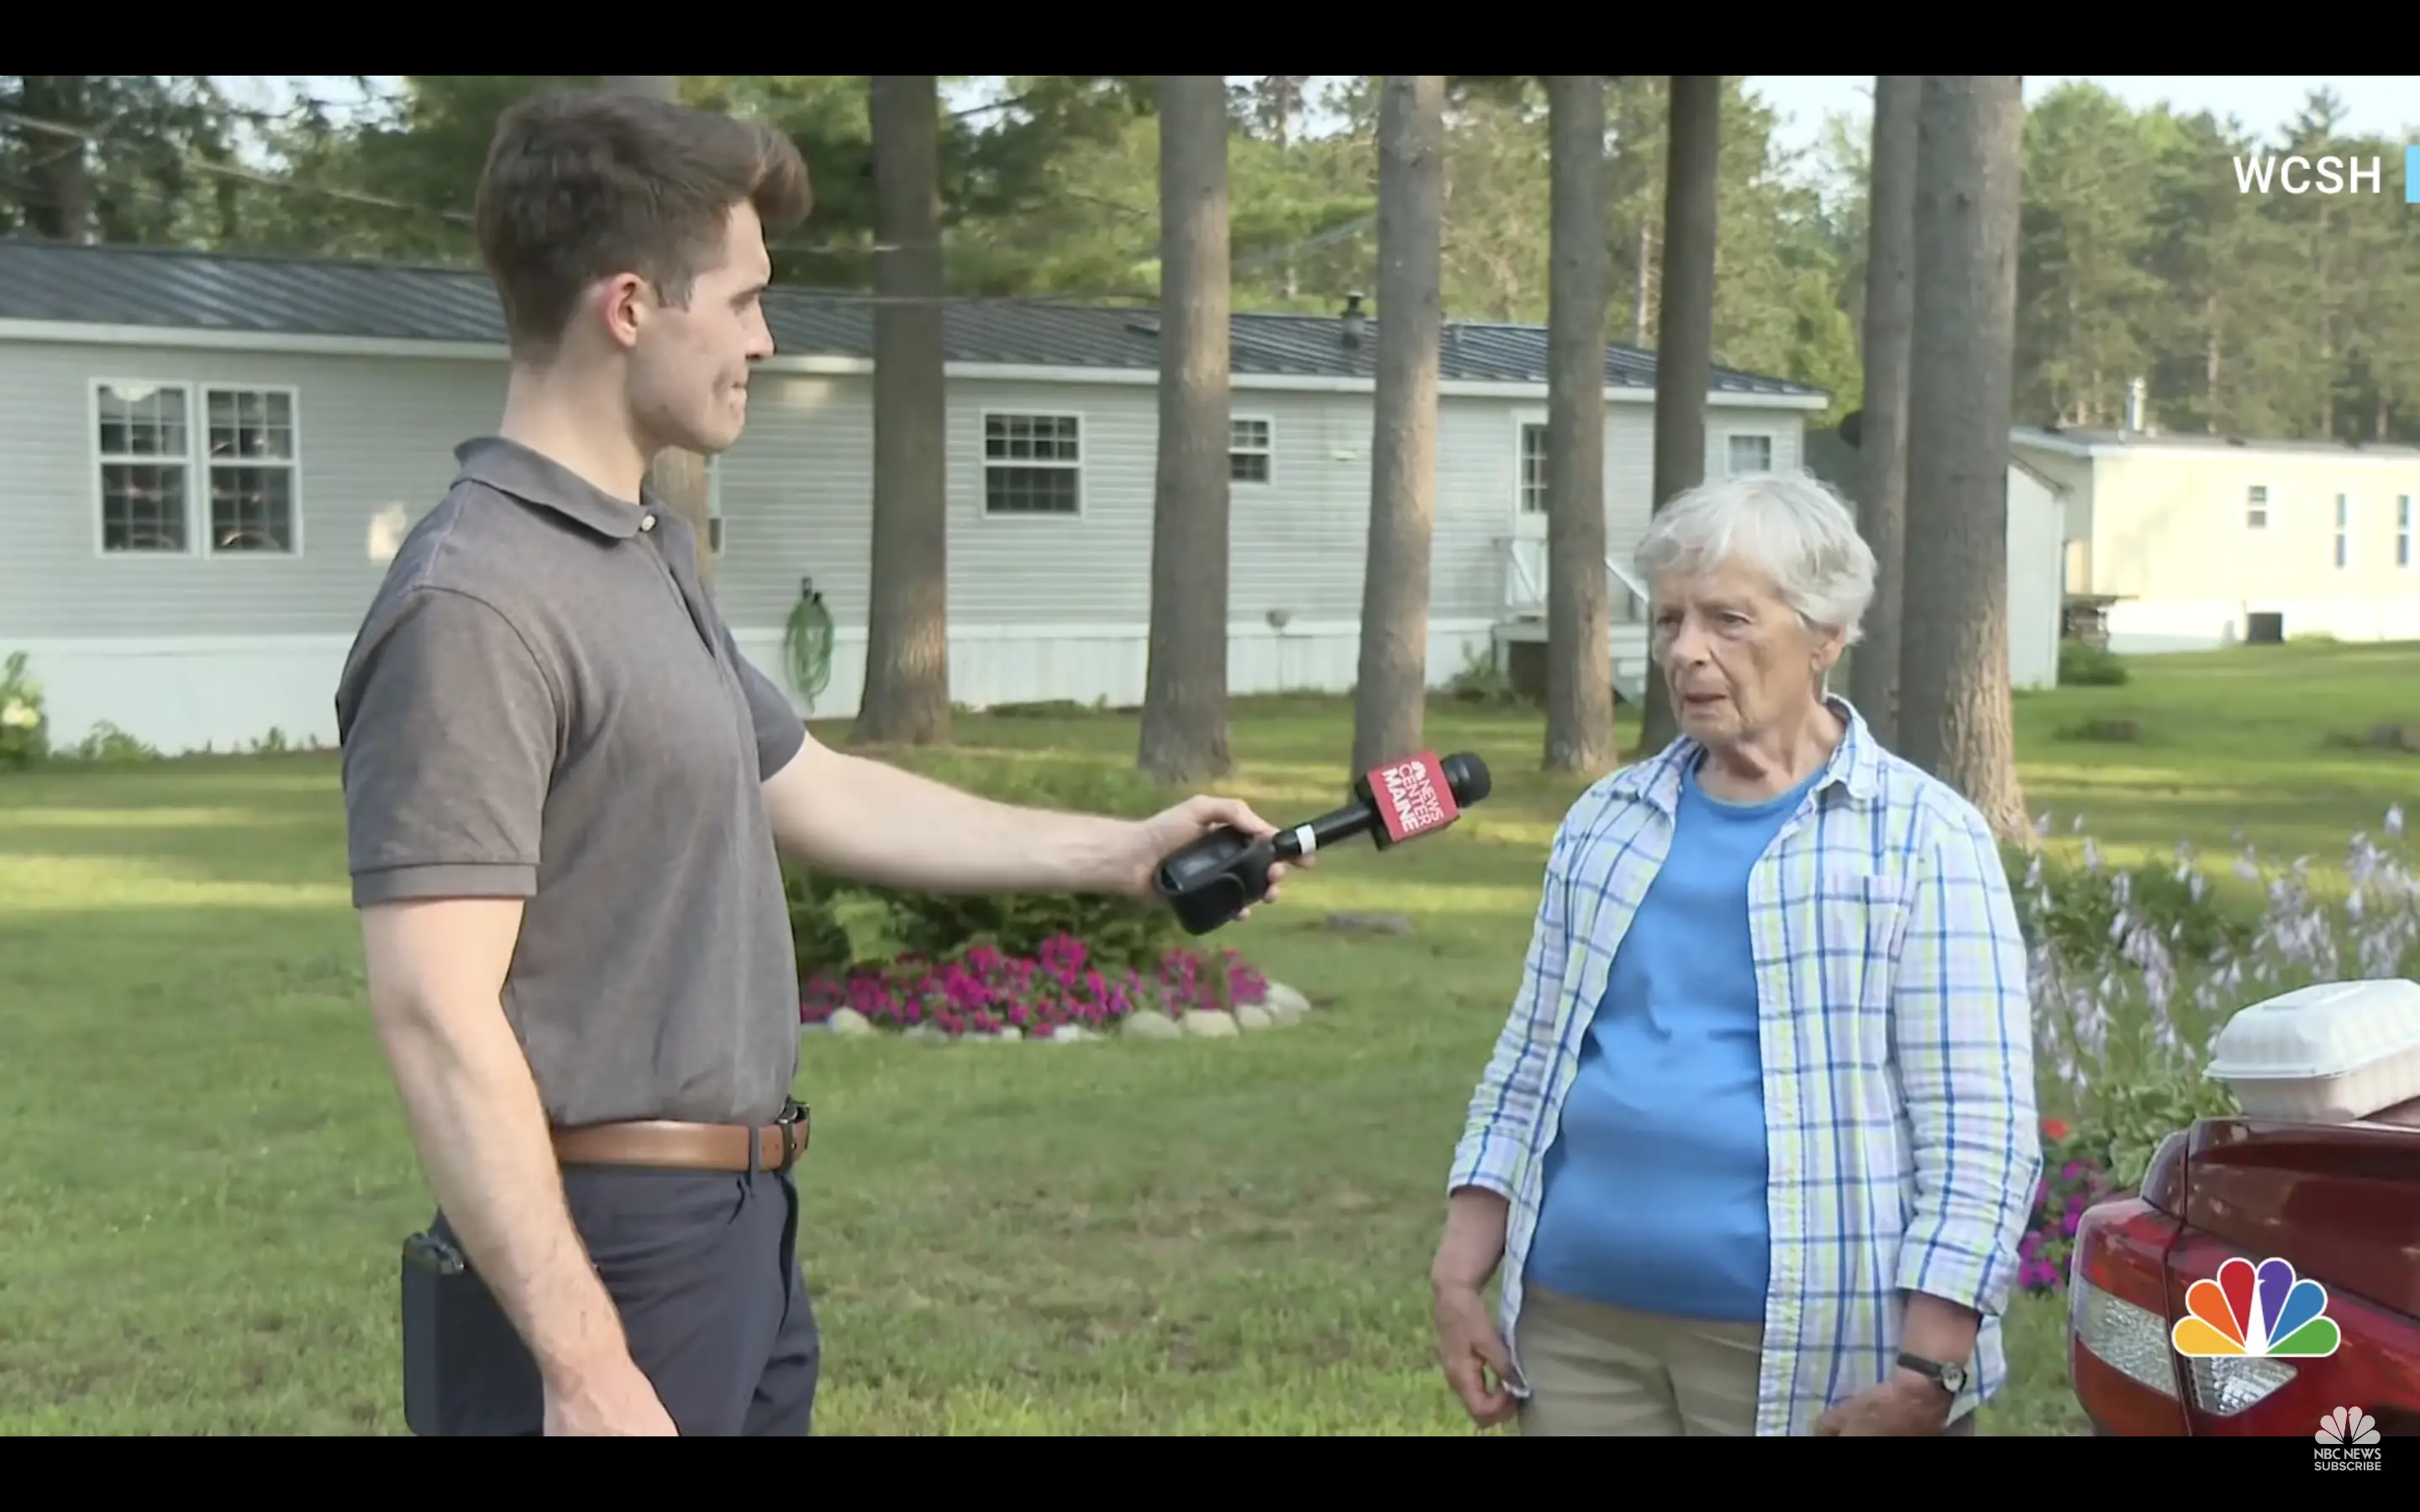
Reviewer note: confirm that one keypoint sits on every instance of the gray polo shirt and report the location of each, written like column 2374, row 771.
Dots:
column 543, row 704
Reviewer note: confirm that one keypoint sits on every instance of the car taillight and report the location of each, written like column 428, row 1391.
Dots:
column 2376, row 1367
column 2163, row 1179
column 2120, row 1358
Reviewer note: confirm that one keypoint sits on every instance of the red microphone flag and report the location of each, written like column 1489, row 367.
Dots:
column 1413, row 797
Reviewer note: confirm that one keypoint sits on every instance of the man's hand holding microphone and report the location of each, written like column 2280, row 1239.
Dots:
column 1215, row 877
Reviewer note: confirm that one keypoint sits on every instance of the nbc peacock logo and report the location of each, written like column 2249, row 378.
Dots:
column 2348, row 1440
column 2248, row 1312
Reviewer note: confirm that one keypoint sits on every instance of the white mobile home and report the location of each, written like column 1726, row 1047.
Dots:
column 211, row 456
column 2205, row 541
column 2037, row 533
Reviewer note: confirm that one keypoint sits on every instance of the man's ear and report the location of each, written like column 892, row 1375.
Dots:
column 624, row 301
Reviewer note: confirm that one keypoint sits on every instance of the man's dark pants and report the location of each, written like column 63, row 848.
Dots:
column 703, row 1266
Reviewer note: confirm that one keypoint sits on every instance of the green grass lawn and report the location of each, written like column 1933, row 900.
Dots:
column 204, row 1176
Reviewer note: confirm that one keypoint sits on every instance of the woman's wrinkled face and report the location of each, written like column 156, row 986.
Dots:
column 1737, row 657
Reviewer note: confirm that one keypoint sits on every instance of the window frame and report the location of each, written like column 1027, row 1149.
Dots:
column 986, row 463
column 1266, row 452
column 197, row 464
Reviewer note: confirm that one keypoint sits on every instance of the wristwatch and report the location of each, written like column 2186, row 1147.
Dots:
column 1950, row 1378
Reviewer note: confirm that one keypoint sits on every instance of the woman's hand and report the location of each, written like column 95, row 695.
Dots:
column 1469, row 1342
column 1906, row 1406
column 1472, row 1350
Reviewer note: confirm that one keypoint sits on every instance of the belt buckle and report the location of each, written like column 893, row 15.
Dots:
column 794, row 1125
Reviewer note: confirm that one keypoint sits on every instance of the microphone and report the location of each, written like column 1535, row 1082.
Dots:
column 1219, row 875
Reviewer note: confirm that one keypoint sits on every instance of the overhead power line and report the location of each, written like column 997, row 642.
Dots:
column 1344, row 230
column 203, row 164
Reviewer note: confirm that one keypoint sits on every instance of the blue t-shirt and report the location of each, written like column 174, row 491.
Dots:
column 1655, row 1187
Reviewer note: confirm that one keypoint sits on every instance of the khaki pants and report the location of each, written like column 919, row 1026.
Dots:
column 1597, row 1371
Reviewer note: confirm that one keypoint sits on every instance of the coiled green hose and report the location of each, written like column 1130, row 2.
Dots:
column 807, row 643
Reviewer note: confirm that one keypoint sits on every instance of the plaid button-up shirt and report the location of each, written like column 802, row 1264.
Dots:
column 1898, row 1050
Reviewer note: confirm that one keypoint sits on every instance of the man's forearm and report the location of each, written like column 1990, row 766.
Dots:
column 476, row 1117
column 880, row 825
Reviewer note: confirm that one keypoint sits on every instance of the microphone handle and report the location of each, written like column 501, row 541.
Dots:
column 1328, row 829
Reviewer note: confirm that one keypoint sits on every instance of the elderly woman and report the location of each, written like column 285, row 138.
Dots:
column 1757, row 1142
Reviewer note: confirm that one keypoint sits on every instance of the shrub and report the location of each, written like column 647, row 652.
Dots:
column 1482, row 683
column 1120, row 934
column 821, row 939
column 2133, row 972
column 24, row 724
column 2104, row 731
column 2082, row 664
column 2131, row 984
column 2077, row 910
column 982, row 990
column 2125, row 1117
column 106, row 742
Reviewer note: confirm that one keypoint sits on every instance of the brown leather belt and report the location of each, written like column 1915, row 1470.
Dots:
column 702, row 1146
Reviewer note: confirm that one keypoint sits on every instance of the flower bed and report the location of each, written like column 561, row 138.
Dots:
column 2134, row 969
column 1058, row 993
column 2072, row 1182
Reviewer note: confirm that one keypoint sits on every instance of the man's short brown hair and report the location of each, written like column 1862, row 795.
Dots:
column 583, row 184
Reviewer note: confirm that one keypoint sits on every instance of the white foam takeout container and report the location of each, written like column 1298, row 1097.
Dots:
column 2335, row 1052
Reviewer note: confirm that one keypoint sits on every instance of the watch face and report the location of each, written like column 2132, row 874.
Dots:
column 1954, row 1377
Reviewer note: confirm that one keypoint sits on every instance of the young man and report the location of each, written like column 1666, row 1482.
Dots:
column 564, row 789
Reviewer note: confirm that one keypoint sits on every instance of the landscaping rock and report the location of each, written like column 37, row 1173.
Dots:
column 849, row 1021
column 1253, row 1016
column 1151, row 1025
column 1287, row 1004
column 922, row 1031
column 1011, row 1032
column 1067, row 1034
column 1210, row 1024
column 1367, row 924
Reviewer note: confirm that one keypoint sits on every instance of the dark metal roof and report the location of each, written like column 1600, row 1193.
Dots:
column 180, row 289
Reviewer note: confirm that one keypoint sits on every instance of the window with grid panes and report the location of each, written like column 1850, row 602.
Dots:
column 1249, row 450
column 145, row 449
column 1033, row 464
column 1533, row 470
column 251, row 456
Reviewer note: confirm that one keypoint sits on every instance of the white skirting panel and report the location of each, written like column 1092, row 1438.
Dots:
column 2148, row 627
column 230, row 692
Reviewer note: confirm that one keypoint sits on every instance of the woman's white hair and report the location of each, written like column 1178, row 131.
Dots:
column 1787, row 524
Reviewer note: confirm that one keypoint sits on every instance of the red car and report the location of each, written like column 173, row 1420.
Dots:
column 2339, row 1203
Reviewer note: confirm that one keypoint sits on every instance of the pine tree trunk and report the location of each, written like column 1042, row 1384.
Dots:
column 1184, row 737
column 1391, row 700
column 678, row 476
column 1685, row 342
column 1956, row 718
column 906, row 697
column 1881, row 439
column 1580, row 627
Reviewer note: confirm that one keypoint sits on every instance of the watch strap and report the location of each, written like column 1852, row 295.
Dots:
column 1935, row 1370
